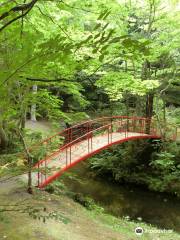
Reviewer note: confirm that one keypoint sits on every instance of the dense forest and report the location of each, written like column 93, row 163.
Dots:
column 63, row 62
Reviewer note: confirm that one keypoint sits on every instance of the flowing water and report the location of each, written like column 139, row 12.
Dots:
column 128, row 201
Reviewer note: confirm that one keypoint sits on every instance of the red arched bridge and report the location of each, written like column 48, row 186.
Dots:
column 62, row 151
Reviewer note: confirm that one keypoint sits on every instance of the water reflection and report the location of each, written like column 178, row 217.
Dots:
column 127, row 201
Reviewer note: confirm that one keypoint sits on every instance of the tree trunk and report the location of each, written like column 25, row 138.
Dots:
column 164, row 117
column 23, row 121
column 127, row 110
column 149, row 111
column 3, row 138
column 146, row 74
column 30, row 162
column 33, row 106
column 29, row 188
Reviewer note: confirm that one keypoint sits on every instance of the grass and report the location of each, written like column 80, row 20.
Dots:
column 127, row 228
column 82, row 224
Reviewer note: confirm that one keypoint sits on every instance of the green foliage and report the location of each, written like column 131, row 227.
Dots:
column 159, row 170
column 87, row 202
column 164, row 161
column 12, row 165
column 56, row 187
column 116, row 83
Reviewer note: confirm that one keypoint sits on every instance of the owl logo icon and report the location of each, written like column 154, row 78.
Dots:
column 139, row 231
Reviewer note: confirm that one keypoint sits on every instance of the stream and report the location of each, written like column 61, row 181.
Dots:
column 135, row 203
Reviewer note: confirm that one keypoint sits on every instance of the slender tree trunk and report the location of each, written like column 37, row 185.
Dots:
column 146, row 74
column 164, row 118
column 3, row 135
column 146, row 69
column 127, row 110
column 33, row 106
column 164, row 111
column 3, row 138
column 30, row 162
column 149, row 111
column 23, row 120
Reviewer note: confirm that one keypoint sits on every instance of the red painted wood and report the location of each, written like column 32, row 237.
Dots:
column 87, row 139
column 60, row 172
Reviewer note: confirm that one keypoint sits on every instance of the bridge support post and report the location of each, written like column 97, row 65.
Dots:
column 108, row 135
column 41, row 177
column 70, row 154
column 45, row 168
column 89, row 139
column 38, row 176
column 88, row 142
column 148, row 126
column 66, row 157
column 91, row 143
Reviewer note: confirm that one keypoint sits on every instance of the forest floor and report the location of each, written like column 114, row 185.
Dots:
column 82, row 224
column 43, row 126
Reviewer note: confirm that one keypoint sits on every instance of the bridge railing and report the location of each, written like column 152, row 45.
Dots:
column 122, row 125
column 70, row 153
column 118, row 123
column 48, row 149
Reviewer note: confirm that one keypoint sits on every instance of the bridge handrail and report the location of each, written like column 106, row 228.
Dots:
column 83, row 136
column 90, row 133
column 73, row 142
column 87, row 122
column 93, row 131
column 47, row 142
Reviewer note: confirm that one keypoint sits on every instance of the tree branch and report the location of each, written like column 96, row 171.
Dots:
column 47, row 80
column 23, row 65
column 7, row 2
column 21, row 8
column 52, row 20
